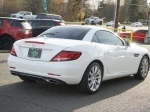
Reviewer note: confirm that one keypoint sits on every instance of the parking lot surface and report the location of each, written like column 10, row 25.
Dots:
column 119, row 95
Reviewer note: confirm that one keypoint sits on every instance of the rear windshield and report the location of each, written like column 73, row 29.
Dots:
column 42, row 23
column 21, row 23
column 41, row 16
column 66, row 32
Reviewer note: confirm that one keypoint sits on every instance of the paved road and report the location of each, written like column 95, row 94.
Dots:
column 119, row 95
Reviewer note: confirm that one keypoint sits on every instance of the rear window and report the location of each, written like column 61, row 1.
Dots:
column 1, row 22
column 41, row 16
column 21, row 23
column 66, row 32
column 42, row 23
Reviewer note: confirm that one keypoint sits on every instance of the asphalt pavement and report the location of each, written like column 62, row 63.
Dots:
column 118, row 95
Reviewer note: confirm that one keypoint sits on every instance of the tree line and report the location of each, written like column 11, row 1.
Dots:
column 77, row 10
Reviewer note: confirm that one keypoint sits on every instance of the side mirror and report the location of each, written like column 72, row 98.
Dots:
column 127, row 43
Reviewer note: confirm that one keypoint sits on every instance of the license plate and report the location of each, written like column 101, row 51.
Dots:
column 34, row 53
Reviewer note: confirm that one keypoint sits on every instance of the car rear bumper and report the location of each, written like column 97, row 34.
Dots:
column 36, row 77
column 70, row 72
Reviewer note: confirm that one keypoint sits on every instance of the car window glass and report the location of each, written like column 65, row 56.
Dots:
column 107, row 37
column 1, row 22
column 75, row 33
column 95, row 39
column 41, row 16
column 28, row 13
column 144, row 31
column 16, row 23
column 42, row 23
column 10, row 21
column 20, row 24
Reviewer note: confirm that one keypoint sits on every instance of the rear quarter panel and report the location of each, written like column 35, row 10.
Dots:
column 89, row 54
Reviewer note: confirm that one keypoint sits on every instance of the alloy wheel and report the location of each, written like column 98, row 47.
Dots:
column 94, row 78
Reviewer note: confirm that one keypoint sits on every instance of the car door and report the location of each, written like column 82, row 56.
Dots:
column 119, row 57
column 143, row 34
column 139, row 35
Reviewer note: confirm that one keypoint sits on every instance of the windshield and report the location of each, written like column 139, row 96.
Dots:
column 66, row 32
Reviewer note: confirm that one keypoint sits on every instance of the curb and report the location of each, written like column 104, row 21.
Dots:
column 4, row 51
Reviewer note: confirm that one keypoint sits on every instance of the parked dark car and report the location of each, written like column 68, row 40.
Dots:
column 41, row 25
column 12, row 29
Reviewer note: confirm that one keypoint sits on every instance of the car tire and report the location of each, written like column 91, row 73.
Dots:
column 26, row 79
column 91, row 79
column 92, row 23
column 143, row 69
column 6, row 42
column 100, row 23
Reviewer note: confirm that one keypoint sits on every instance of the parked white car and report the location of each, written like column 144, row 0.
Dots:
column 24, row 15
column 80, row 55
column 111, row 23
column 136, row 24
column 93, row 20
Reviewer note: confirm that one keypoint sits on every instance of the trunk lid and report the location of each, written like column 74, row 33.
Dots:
column 49, row 47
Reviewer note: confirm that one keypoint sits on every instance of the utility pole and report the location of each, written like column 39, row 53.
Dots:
column 117, row 14
column 81, row 10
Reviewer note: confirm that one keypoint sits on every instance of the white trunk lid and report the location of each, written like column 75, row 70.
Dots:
column 49, row 47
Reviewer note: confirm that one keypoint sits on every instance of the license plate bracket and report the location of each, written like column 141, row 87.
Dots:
column 34, row 53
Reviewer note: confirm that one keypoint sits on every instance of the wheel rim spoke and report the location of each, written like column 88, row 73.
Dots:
column 94, row 78
column 144, row 67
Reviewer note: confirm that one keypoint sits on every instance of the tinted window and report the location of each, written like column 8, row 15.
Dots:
column 22, row 23
column 1, row 22
column 66, row 32
column 42, row 23
column 41, row 16
column 107, row 37
column 28, row 13
column 143, row 31
column 16, row 23
column 95, row 39
column 10, row 21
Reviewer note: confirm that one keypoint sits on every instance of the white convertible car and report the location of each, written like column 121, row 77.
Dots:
column 80, row 55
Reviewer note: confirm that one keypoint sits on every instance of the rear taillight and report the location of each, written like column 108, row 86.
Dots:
column 59, row 23
column 66, row 56
column 13, row 52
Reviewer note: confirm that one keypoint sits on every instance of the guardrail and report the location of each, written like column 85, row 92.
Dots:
column 127, row 37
